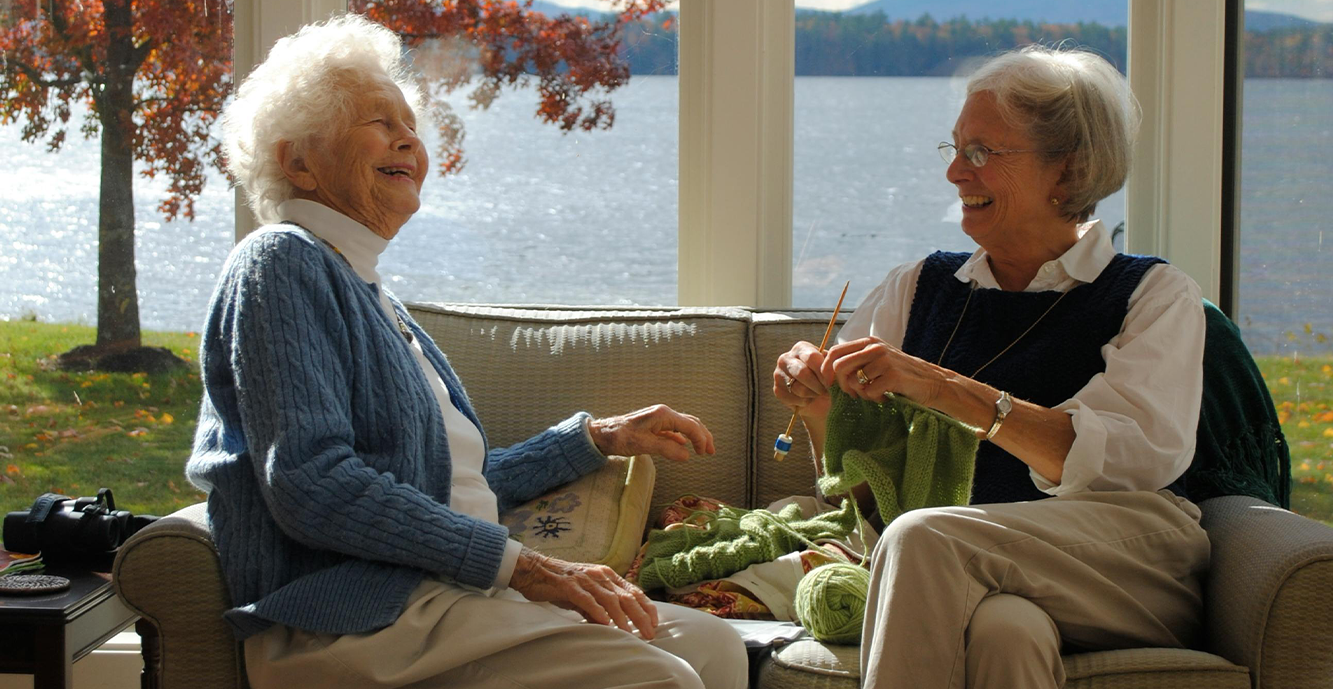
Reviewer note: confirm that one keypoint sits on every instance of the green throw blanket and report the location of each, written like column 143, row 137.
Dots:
column 911, row 456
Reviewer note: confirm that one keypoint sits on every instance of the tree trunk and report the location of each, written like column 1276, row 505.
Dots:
column 117, row 295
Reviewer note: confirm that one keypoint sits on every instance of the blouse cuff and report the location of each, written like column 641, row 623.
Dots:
column 507, row 564
column 1086, row 456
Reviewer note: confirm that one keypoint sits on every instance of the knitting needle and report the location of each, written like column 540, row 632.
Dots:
column 783, row 444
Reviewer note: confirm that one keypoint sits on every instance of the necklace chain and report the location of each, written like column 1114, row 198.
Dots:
column 940, row 361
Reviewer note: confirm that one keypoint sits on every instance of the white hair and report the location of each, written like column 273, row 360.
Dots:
column 1075, row 106
column 307, row 82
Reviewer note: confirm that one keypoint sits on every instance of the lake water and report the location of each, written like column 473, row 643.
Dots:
column 590, row 218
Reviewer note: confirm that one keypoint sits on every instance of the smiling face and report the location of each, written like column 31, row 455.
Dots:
column 371, row 167
column 1008, row 200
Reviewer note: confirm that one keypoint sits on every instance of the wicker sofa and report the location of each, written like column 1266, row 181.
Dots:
column 1269, row 612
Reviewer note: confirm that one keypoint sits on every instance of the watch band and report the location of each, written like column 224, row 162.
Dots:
column 1002, row 408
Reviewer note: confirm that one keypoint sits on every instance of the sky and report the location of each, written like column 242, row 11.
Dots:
column 1316, row 10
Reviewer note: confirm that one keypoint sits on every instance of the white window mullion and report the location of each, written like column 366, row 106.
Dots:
column 258, row 25
column 1174, row 193
column 736, row 71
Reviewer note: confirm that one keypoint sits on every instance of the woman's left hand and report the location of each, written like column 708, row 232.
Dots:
column 658, row 430
column 869, row 367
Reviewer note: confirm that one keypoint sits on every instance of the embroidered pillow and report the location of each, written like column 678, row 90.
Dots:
column 599, row 518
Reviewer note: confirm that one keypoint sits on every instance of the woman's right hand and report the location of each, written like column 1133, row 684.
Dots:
column 797, row 382
column 594, row 591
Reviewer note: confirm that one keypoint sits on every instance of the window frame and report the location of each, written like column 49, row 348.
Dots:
column 736, row 111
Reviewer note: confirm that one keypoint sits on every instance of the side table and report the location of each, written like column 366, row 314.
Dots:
column 43, row 635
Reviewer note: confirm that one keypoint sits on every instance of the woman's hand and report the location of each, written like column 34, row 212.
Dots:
column 594, row 591
column 869, row 367
column 658, row 430
column 799, row 383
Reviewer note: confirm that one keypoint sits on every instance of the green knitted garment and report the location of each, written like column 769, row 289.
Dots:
column 733, row 539
column 910, row 455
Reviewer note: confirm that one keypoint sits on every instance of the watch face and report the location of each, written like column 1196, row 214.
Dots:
column 1003, row 405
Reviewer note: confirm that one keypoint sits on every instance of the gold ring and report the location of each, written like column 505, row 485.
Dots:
column 861, row 377
column 790, row 380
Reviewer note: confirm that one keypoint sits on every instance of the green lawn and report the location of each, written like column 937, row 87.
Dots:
column 1302, row 389
column 72, row 433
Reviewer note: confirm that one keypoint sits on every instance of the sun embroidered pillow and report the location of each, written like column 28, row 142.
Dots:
column 599, row 518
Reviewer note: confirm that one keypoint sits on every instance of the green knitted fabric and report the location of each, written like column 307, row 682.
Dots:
column 910, row 455
column 733, row 539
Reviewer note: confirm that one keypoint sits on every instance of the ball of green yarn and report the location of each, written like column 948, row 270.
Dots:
column 831, row 602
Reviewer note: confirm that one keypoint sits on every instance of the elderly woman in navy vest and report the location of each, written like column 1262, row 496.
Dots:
column 351, row 492
column 1081, row 367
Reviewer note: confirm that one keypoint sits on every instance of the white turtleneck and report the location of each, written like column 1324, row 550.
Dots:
column 469, row 492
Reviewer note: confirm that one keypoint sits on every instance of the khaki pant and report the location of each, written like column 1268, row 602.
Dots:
column 443, row 639
column 986, row 595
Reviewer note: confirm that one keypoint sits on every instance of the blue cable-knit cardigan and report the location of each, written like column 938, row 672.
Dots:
column 323, row 450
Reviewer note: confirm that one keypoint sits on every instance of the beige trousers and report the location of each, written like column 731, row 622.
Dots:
column 443, row 639
column 986, row 595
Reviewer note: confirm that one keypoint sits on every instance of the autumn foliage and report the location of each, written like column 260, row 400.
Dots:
column 153, row 76
column 572, row 61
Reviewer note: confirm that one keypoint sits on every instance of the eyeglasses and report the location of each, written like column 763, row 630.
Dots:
column 978, row 155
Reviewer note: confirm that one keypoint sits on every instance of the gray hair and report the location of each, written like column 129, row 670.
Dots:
column 1073, row 104
column 307, row 82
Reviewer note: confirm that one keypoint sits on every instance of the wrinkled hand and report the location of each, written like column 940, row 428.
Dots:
column 594, row 591
column 887, row 368
column 658, row 430
column 799, row 381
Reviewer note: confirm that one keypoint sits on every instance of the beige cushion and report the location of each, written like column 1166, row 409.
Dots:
column 527, row 368
column 1153, row 668
column 599, row 518
column 809, row 664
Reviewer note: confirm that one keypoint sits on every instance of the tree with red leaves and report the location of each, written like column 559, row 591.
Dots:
column 154, row 75
column 575, row 62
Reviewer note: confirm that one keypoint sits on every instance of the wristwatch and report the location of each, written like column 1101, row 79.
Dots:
column 1003, row 406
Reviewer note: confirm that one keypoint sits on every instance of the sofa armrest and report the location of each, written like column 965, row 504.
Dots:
column 169, row 574
column 1267, row 603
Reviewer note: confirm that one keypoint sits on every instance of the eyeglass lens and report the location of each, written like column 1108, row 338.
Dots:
column 975, row 153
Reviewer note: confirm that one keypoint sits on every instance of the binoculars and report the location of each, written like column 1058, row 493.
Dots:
column 61, row 527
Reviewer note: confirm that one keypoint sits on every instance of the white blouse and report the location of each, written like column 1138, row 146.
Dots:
column 469, row 492
column 1135, row 423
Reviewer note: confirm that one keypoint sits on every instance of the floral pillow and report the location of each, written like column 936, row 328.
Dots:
column 599, row 518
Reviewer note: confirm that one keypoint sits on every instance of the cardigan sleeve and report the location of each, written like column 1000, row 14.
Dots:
column 558, row 455
column 288, row 348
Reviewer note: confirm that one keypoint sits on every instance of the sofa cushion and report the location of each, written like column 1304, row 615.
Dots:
column 772, row 334
column 527, row 368
column 599, row 518
column 809, row 664
column 1146, row 668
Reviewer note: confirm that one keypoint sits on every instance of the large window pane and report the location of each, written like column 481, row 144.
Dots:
column 539, row 215
column 1285, row 223
column 874, row 94
column 96, row 197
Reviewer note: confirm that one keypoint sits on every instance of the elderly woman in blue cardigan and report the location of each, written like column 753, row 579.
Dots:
column 1083, row 370
column 351, row 491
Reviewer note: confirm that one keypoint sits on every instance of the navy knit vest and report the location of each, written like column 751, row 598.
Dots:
column 1049, row 365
